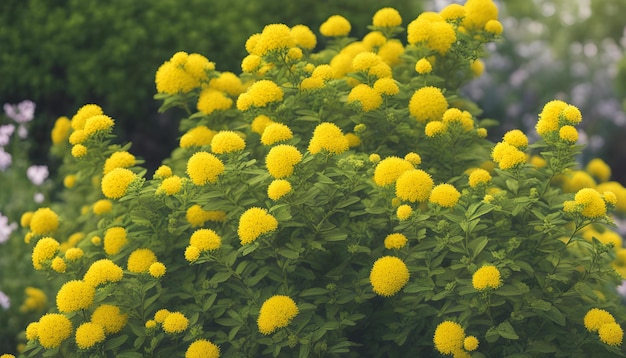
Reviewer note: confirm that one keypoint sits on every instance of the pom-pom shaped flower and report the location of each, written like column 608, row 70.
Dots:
column 449, row 337
column 114, row 240
column 83, row 113
column 568, row 134
column 211, row 100
column 197, row 216
column 595, row 318
column 140, row 260
column 549, row 117
column 274, row 37
column 35, row 300
column 260, row 94
column 390, row 52
column 44, row 221
column 281, row 160
column 172, row 76
column 599, row 169
column 387, row 17
column 163, row 172
column 175, row 322
column 435, row 128
column 335, row 26
column 204, row 168
column 255, row 222
column 276, row 132
column 328, row 137
column 227, row 82
column 102, row 206
column 192, row 253
column 486, row 277
column 388, row 275
column 31, row 331
column 369, row 98
column 453, row 12
column 304, row 37
column 259, row 123
column 196, row 137
column 250, row 64
column 170, row 186
column 161, row 315
column 592, row 203
column 74, row 253
column 414, row 185
column 116, row 182
column 571, row 115
column 75, row 295
column 79, row 151
column 389, row 169
column 103, row 271
column 58, row 265
column 227, row 142
column 276, row 312
column 611, row 334
column 395, row 241
column 278, row 188
column 470, row 343
column 386, row 86
column 428, row 104
column 61, row 130
column 444, row 195
column 404, row 212
column 110, row 318
column 516, row 138
column 53, row 329
column 99, row 123
column 413, row 158
column 45, row 249
column 157, row 269
column 479, row 177
column 89, row 334
column 202, row 348
column 507, row 156
column 478, row 13
column 121, row 159
column 205, row 240
column 423, row 66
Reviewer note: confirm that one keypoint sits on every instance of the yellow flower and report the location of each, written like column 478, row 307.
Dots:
column 44, row 221
column 211, row 100
column 261, row 93
column 549, row 117
column 592, row 203
column 259, row 123
column 423, row 66
column 197, row 216
column 387, row 17
column 389, row 169
column 79, row 151
column 364, row 61
column 274, row 37
column 204, row 168
column 75, row 295
column 395, row 241
column 374, row 40
column 253, row 223
column 516, row 138
column 227, row 82
column 404, row 212
column 175, row 322
column 114, row 240
column 171, row 185
column 388, row 275
column 198, row 136
column 311, row 83
column 479, row 177
column 157, row 269
column 470, row 343
column 369, row 98
column 478, row 13
column 435, row 128
column 428, row 104
column 444, row 195
column 74, row 253
column 486, row 277
column 375, row 158
column 205, row 240
column 599, row 169
column 36, row 300
column 84, row 112
column 25, row 218
column 335, row 26
column 481, row 132
column 116, row 182
column 453, row 12
column 96, row 240
column 121, row 159
column 250, row 64
column 414, row 185
column 281, row 160
column 99, row 123
column 572, row 115
column 53, row 329
column 61, row 130
column 192, row 253
column 163, row 172
column 596, row 318
column 202, row 348
column 227, row 142
column 58, row 265
column 161, row 315
column 110, row 318
column 102, row 206
column 449, row 337
column 611, row 333
column 328, row 137
column 278, row 188
column 390, row 52
column 386, row 86
column 276, row 312
column 413, row 158
column 304, row 37
column 150, row 324
column 31, row 331
column 494, row 27
column 568, row 134
column 507, row 156
column 276, row 132
column 140, row 260
column 45, row 249
column 77, row 137
column 89, row 334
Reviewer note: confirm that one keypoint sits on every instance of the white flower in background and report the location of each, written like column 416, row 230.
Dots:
column 22, row 132
column 6, row 131
column 38, row 198
column 22, row 112
column 5, row 159
column 5, row 228
column 621, row 289
column 37, row 174
column 5, row 301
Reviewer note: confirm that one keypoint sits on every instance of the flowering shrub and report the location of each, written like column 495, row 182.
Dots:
column 343, row 202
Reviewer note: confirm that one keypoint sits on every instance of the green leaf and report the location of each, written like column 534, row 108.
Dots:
column 220, row 277
column 505, row 330
column 315, row 291
column 115, row 342
column 288, row 253
column 512, row 185
column 477, row 245
column 556, row 316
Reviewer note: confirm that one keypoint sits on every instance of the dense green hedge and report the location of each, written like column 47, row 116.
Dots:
column 62, row 54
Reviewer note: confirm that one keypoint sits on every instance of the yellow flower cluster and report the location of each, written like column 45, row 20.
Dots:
column 328, row 137
column 388, row 170
column 260, row 94
column 428, row 104
column 276, row 312
column 182, row 73
column 205, row 240
column 556, row 122
column 196, row 137
column 589, row 203
column 175, row 322
column 414, row 185
column 431, row 30
column 486, row 277
column 75, row 295
column 601, row 321
column 53, row 329
column 89, row 334
column 387, row 17
column 335, row 26
column 388, row 275
column 507, row 156
column 45, row 249
column 211, row 100
column 369, row 98
column 395, row 241
column 253, row 223
column 139, row 260
column 171, row 185
column 479, row 177
column 61, row 130
column 281, row 159
column 197, row 216
column 110, row 317
column 116, row 182
column 276, row 132
column 445, row 195
column 114, row 240
column 43, row 221
column 204, row 168
column 449, row 338
column 227, row 142
column 35, row 300
column 202, row 348
column 278, row 188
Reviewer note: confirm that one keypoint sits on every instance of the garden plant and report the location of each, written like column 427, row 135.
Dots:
column 340, row 202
